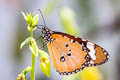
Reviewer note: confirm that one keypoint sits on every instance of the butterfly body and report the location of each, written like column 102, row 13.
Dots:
column 71, row 54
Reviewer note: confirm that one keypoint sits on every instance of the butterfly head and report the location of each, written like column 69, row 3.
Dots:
column 46, row 34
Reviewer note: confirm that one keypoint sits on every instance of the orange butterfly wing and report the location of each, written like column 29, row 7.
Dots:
column 66, row 60
column 102, row 55
column 70, row 54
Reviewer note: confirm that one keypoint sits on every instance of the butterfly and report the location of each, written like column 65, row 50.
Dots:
column 70, row 54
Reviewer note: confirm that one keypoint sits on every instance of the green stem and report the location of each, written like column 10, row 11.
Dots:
column 33, row 62
column 31, row 33
column 33, row 68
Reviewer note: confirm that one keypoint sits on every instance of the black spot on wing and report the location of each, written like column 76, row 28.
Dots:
column 68, row 54
column 62, row 59
column 66, row 45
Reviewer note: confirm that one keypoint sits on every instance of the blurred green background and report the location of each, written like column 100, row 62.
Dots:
column 94, row 20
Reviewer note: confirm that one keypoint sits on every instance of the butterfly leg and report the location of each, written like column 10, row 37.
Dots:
column 38, row 38
column 43, row 46
column 43, row 43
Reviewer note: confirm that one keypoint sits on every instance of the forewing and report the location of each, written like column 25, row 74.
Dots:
column 67, row 57
column 71, row 54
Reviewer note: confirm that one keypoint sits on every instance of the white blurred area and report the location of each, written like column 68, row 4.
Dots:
column 8, row 32
column 105, row 32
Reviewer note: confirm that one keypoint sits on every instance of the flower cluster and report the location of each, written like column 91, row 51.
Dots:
column 32, row 20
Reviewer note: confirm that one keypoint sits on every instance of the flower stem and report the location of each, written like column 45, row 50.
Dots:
column 33, row 62
column 33, row 68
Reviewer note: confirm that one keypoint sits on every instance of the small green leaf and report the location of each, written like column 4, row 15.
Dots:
column 44, row 63
column 33, row 47
column 26, row 70
column 24, row 15
column 36, row 18
column 25, row 42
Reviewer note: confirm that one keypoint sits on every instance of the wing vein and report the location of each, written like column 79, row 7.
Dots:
column 64, row 54
column 61, row 54
column 55, row 57
column 74, row 51
column 71, row 46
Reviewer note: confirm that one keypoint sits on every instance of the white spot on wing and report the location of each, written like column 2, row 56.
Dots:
column 105, row 53
column 71, row 40
column 92, row 62
column 92, row 50
column 76, row 42
column 65, row 37
column 108, row 56
column 76, row 37
column 83, row 40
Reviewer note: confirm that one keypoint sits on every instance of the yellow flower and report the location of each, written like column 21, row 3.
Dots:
column 21, row 77
column 44, row 63
column 91, row 73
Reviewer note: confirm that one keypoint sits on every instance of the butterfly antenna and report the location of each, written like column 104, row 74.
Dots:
column 42, row 17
